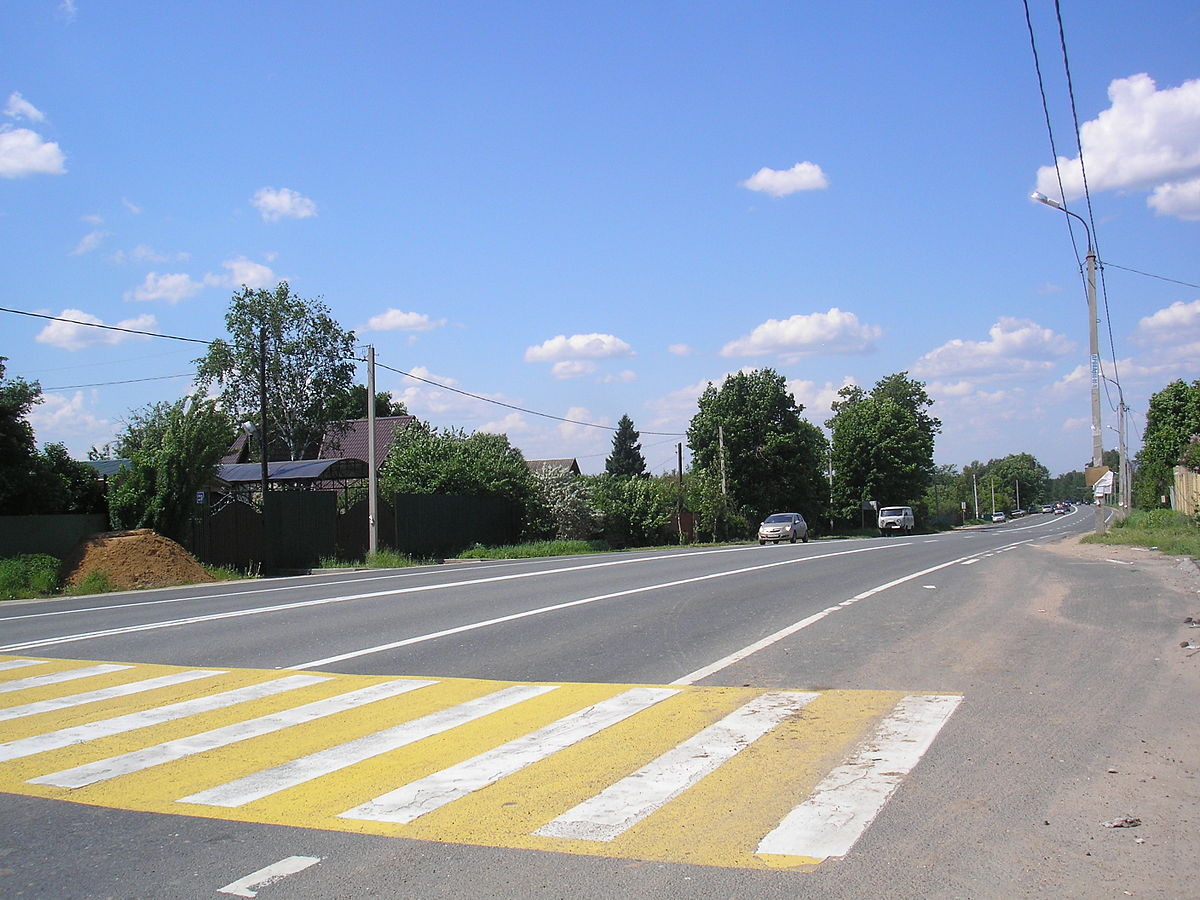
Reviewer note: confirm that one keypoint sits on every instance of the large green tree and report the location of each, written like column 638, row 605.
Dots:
column 173, row 451
column 882, row 444
column 626, row 458
column 20, row 492
column 772, row 458
column 352, row 404
column 1172, row 419
column 309, row 361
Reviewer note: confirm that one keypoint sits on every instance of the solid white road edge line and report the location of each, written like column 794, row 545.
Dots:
column 770, row 639
column 282, row 869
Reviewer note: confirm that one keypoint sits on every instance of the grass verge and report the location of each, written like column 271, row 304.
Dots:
column 1160, row 529
column 535, row 550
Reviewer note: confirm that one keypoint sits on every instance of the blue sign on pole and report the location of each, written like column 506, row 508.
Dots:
column 199, row 496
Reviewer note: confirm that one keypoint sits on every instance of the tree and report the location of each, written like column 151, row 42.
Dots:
column 1172, row 419
column 773, row 459
column 1021, row 481
column 308, row 362
column 626, row 458
column 635, row 512
column 882, row 444
column 174, row 450
column 20, row 492
column 426, row 460
column 566, row 505
column 351, row 404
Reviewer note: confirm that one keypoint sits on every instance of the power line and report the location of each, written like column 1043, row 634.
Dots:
column 72, row 387
column 1152, row 275
column 171, row 337
column 532, row 412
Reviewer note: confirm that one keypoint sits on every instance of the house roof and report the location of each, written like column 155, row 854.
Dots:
column 352, row 439
column 294, row 470
column 106, row 468
column 539, row 466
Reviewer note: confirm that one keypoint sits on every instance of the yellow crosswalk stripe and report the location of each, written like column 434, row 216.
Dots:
column 721, row 776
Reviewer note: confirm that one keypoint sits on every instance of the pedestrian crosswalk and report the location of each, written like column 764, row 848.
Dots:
column 735, row 777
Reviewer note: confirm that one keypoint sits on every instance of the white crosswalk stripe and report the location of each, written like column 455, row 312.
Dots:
column 271, row 781
column 20, row 663
column 630, row 800
column 434, row 791
column 35, row 681
column 109, row 693
column 78, row 734
column 138, row 760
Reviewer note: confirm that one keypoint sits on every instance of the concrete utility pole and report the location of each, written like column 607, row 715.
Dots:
column 1093, row 345
column 372, row 477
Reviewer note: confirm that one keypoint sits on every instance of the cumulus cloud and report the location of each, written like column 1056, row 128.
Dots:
column 680, row 350
column 572, row 368
column 803, row 176
column 1147, row 137
column 18, row 107
column 284, row 203
column 242, row 271
column 1171, row 334
column 74, row 336
column 1014, row 347
column 59, row 417
column 625, row 376
column 395, row 320
column 24, row 152
column 1181, row 200
column 579, row 346
column 171, row 288
column 828, row 333
column 817, row 399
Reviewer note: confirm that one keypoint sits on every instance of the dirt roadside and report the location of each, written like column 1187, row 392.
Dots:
column 131, row 560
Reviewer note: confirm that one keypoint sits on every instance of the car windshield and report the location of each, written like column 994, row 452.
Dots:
column 894, row 511
column 778, row 517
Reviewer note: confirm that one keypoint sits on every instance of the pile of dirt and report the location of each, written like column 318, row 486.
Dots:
column 133, row 559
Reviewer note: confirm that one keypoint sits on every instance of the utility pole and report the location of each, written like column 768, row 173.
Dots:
column 975, row 491
column 372, row 476
column 265, row 480
column 721, row 447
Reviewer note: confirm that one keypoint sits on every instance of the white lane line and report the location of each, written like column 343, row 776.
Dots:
column 770, row 639
column 148, row 757
column 424, row 795
column 78, row 734
column 244, row 887
column 36, row 681
column 325, row 601
column 298, row 771
column 849, row 798
column 622, row 805
column 486, row 623
column 970, row 562
column 20, row 663
column 108, row 693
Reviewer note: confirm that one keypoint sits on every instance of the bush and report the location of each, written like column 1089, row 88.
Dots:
column 31, row 575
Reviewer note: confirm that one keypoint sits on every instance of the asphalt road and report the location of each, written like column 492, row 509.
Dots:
column 1048, row 668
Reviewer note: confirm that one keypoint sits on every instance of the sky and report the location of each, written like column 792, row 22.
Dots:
column 585, row 210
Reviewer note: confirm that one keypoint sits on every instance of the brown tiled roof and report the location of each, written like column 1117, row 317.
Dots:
column 352, row 442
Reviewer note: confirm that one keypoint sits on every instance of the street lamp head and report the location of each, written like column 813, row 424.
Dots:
column 1042, row 198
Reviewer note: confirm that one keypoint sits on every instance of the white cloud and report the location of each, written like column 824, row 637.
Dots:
column 395, row 320
column 579, row 346
column 172, row 288
column 625, row 376
column 131, row 206
column 1180, row 199
column 804, row 176
column 67, row 10
column 58, row 417
column 24, row 152
column 817, row 399
column 827, row 333
column 145, row 253
column 1175, row 324
column 1015, row 347
column 572, row 368
column 72, row 336
column 513, row 423
column 284, row 203
column 243, row 271
column 20, row 108
column 680, row 350
column 1146, row 137
column 582, row 433
column 89, row 242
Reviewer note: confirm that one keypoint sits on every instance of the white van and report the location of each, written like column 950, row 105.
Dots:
column 896, row 519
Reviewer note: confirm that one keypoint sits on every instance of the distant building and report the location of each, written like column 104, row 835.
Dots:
column 539, row 466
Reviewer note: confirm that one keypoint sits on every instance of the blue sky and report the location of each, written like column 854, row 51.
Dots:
column 592, row 209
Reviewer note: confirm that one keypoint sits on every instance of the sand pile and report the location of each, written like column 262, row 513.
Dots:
column 133, row 559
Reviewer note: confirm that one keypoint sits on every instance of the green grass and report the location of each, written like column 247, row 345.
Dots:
column 382, row 559
column 31, row 575
column 535, row 549
column 1161, row 529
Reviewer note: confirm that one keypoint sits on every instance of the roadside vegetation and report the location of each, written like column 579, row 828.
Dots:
column 37, row 575
column 1160, row 529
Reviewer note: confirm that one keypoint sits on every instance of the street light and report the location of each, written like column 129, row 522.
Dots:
column 1093, row 340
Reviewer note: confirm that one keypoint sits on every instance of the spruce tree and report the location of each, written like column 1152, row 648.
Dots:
column 626, row 458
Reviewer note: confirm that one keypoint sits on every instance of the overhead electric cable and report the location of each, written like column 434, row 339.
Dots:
column 532, row 412
column 1152, row 275
column 72, row 387
column 170, row 337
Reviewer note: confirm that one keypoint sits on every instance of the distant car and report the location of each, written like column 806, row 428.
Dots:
column 997, row 517
column 783, row 527
column 1047, row 509
column 897, row 519
column 1060, row 510
column 1017, row 513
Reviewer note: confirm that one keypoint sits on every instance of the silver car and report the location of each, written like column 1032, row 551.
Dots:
column 783, row 527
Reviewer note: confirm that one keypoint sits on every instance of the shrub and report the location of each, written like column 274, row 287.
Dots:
column 31, row 575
